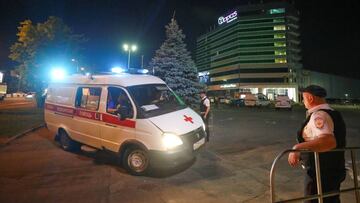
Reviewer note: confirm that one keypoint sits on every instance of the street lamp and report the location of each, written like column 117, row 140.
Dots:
column 129, row 50
column 77, row 64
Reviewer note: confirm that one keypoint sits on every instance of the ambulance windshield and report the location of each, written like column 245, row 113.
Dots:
column 155, row 99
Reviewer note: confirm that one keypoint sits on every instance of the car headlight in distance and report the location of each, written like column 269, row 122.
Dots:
column 171, row 141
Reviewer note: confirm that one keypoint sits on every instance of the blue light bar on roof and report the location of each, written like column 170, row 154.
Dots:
column 143, row 71
column 117, row 70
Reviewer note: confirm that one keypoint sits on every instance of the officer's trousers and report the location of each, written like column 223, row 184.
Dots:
column 206, row 121
column 329, row 183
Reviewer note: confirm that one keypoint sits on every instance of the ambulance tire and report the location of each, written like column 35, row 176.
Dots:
column 67, row 143
column 136, row 161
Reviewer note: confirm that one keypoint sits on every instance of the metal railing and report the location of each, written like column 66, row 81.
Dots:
column 320, row 195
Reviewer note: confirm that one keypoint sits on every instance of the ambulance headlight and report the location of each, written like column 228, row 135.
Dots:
column 204, row 127
column 171, row 141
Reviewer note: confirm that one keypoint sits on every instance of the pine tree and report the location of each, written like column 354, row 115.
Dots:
column 173, row 64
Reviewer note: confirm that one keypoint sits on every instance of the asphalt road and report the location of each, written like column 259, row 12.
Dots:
column 233, row 167
column 20, row 102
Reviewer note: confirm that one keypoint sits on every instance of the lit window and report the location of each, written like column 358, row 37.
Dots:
column 279, row 20
column 279, row 27
column 279, row 44
column 279, row 36
column 277, row 10
column 280, row 60
column 280, row 53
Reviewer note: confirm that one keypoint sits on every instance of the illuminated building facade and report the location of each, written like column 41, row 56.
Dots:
column 254, row 48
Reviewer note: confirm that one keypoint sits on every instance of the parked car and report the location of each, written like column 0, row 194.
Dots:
column 283, row 102
column 212, row 100
column 227, row 101
column 18, row 94
column 256, row 100
column 250, row 100
column 30, row 95
column 222, row 100
column 262, row 100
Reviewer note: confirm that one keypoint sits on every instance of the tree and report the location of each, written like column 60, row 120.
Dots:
column 41, row 46
column 173, row 64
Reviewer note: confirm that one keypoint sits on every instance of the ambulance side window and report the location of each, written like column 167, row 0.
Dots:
column 116, row 99
column 88, row 98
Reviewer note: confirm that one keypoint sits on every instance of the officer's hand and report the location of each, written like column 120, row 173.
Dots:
column 294, row 158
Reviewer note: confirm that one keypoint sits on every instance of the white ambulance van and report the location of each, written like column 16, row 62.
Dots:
column 136, row 116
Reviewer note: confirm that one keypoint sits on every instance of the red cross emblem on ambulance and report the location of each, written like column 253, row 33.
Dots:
column 188, row 119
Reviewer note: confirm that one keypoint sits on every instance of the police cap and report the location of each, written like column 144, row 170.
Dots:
column 315, row 90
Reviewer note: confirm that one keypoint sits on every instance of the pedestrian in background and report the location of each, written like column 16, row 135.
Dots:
column 216, row 101
column 205, row 112
column 323, row 130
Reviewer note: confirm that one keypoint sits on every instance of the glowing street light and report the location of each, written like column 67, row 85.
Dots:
column 129, row 49
column 77, row 64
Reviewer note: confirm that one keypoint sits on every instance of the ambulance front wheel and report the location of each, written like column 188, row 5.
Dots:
column 67, row 143
column 136, row 161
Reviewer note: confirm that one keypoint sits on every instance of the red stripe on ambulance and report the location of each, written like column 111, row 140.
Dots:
column 115, row 120
column 107, row 118
column 88, row 114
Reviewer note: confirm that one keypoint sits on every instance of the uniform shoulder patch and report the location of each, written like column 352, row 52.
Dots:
column 319, row 122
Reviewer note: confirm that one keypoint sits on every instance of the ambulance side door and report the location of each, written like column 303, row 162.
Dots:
column 114, row 131
column 87, row 121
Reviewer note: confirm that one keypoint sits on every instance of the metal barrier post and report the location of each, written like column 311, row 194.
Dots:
column 272, row 175
column 320, row 194
column 353, row 162
column 318, row 177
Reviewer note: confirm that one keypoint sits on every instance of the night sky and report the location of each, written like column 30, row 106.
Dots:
column 330, row 39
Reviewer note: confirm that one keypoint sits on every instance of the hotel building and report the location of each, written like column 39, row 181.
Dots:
column 254, row 48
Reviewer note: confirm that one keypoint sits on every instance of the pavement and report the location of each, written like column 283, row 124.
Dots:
column 233, row 167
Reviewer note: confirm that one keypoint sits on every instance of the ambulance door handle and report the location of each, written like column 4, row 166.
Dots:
column 110, row 125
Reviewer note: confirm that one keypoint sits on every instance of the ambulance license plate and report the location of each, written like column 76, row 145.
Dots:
column 199, row 143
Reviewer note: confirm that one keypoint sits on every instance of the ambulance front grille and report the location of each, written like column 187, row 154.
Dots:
column 193, row 136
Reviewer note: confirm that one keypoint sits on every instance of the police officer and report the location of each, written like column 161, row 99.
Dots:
column 323, row 130
column 205, row 112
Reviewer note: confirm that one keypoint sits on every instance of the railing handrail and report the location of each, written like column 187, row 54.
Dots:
column 320, row 195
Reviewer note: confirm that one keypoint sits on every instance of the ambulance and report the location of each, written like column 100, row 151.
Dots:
column 137, row 117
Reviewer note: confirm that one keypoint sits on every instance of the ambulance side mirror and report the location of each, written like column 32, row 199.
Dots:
column 123, row 113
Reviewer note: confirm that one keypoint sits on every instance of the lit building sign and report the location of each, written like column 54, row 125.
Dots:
column 227, row 19
column 227, row 86
column 204, row 73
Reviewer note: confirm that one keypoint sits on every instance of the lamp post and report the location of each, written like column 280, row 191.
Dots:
column 129, row 50
column 77, row 64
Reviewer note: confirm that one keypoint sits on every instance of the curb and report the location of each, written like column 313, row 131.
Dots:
column 19, row 135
